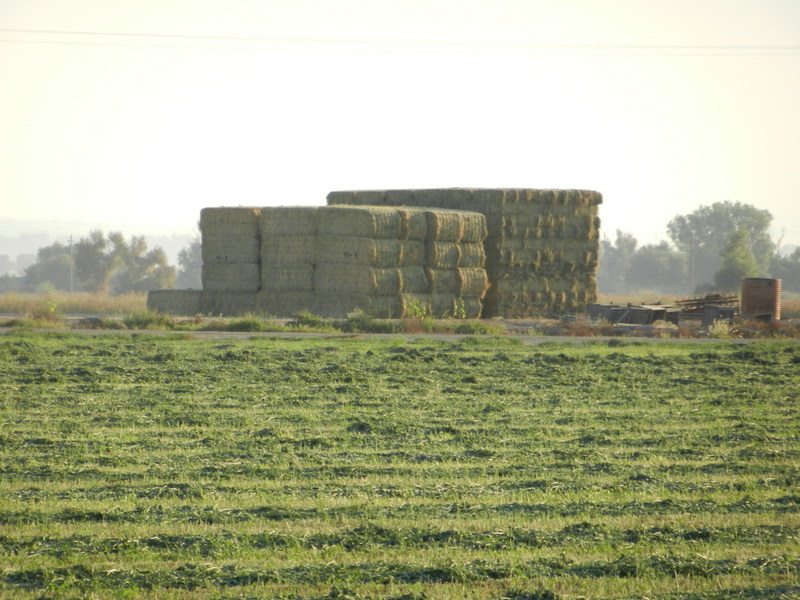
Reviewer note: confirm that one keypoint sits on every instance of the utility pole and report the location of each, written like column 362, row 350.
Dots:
column 691, row 263
column 70, row 263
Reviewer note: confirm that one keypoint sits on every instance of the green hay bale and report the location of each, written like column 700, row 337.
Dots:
column 443, row 281
column 288, row 251
column 297, row 279
column 456, row 226
column 369, row 251
column 445, row 226
column 174, row 302
column 218, row 248
column 283, row 304
column 230, row 221
column 369, row 281
column 283, row 221
column 473, row 282
column 399, row 198
column 487, row 200
column 227, row 303
column 343, row 304
column 470, row 283
column 454, row 306
column 382, row 222
column 452, row 255
column 232, row 277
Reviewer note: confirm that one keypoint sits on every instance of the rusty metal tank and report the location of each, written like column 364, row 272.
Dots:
column 761, row 298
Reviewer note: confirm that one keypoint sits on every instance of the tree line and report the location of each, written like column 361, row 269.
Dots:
column 108, row 264
column 710, row 249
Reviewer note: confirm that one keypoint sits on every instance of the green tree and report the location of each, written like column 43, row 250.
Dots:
column 787, row 268
column 657, row 267
column 737, row 262
column 102, row 264
column 703, row 235
column 190, row 264
column 135, row 269
column 51, row 269
column 92, row 262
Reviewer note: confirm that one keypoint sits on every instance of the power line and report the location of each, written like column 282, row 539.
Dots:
column 158, row 40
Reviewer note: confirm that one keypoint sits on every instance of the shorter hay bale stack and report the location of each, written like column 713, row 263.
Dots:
column 231, row 271
column 541, row 246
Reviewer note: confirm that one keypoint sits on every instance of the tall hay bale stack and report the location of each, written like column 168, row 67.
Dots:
column 230, row 243
column 565, row 222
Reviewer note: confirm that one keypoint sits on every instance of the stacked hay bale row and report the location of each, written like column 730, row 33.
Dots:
column 541, row 248
column 288, row 258
column 231, row 271
column 454, row 263
column 370, row 258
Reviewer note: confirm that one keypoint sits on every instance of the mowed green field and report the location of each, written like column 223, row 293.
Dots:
column 133, row 466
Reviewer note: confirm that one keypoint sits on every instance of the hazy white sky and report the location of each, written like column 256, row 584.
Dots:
column 143, row 112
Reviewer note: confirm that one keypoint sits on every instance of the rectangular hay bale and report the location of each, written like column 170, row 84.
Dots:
column 288, row 251
column 217, row 248
column 383, row 222
column 370, row 281
column 230, row 220
column 232, row 277
column 283, row 303
column 227, row 303
column 451, row 255
column 370, row 251
column 290, row 279
column 288, row 220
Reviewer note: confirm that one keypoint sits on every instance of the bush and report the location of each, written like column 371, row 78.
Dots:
column 46, row 311
column 148, row 320
column 306, row 319
column 246, row 324
column 478, row 328
column 360, row 322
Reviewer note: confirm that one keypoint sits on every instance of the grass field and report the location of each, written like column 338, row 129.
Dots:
column 135, row 466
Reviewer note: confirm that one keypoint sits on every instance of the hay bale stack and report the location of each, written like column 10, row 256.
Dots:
column 534, row 239
column 174, row 302
column 230, row 244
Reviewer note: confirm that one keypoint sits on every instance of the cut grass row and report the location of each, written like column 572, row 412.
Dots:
column 355, row 468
